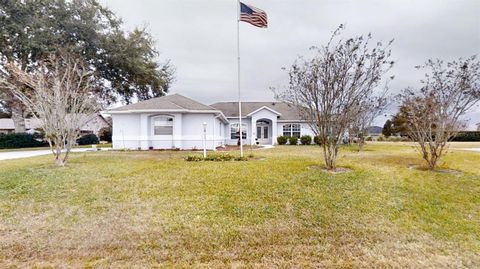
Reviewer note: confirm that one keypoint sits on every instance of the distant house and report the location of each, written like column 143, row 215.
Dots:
column 93, row 125
column 175, row 121
column 374, row 131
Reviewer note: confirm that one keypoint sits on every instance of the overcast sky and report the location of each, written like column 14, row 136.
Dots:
column 199, row 37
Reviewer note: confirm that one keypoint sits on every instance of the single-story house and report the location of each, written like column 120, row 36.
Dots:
column 175, row 121
column 93, row 125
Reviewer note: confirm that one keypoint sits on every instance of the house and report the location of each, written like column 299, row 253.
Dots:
column 93, row 125
column 175, row 121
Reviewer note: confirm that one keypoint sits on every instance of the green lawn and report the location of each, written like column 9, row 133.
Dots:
column 144, row 209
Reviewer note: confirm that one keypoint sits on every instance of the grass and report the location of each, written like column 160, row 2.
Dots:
column 147, row 209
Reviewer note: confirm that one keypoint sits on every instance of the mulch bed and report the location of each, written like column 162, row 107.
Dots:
column 237, row 148
column 339, row 170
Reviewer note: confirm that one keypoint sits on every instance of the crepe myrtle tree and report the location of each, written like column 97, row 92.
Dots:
column 334, row 86
column 432, row 113
column 63, row 95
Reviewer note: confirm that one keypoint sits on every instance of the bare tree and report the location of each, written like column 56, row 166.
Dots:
column 432, row 114
column 374, row 106
column 333, row 87
column 63, row 98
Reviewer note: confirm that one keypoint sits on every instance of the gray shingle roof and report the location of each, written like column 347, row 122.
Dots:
column 230, row 109
column 174, row 101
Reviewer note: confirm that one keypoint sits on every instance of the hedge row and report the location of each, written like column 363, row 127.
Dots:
column 466, row 136
column 26, row 140
column 20, row 140
column 293, row 140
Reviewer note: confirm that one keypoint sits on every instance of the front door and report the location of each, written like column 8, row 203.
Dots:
column 263, row 133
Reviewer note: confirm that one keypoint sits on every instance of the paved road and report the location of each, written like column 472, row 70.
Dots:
column 473, row 149
column 32, row 153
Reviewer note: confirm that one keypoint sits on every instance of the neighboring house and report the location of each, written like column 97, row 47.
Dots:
column 175, row 121
column 93, row 125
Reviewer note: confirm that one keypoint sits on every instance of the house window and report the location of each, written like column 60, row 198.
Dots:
column 163, row 125
column 291, row 130
column 235, row 133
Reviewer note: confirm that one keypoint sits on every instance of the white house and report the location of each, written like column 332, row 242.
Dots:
column 93, row 125
column 175, row 121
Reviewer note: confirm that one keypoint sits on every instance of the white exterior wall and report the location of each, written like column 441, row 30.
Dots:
column 125, row 131
column 134, row 131
column 193, row 131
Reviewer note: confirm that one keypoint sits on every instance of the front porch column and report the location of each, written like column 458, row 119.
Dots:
column 274, row 131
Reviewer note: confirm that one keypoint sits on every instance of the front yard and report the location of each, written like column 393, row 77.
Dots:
column 127, row 209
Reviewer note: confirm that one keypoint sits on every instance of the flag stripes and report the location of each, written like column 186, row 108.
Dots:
column 253, row 15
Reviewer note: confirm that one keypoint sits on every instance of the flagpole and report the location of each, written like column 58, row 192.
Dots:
column 238, row 81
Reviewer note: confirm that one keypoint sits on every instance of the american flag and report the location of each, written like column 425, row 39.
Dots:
column 253, row 15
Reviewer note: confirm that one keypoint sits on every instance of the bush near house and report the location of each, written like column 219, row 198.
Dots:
column 293, row 140
column 282, row 140
column 88, row 139
column 467, row 136
column 306, row 140
column 317, row 140
column 105, row 134
column 20, row 140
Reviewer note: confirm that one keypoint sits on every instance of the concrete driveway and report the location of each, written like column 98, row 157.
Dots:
column 9, row 155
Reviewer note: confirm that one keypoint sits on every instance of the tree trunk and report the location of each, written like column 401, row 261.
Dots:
column 330, row 155
column 361, row 143
column 18, row 117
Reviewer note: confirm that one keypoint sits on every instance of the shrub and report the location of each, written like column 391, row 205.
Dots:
column 88, row 139
column 293, row 140
column 105, row 134
column 20, row 140
column 467, row 136
column 394, row 139
column 223, row 157
column 381, row 138
column 369, row 138
column 306, row 140
column 317, row 140
column 282, row 140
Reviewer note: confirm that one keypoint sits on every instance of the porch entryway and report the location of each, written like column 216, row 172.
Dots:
column 264, row 132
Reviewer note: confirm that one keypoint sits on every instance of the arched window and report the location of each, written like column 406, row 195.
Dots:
column 235, row 133
column 291, row 130
column 163, row 125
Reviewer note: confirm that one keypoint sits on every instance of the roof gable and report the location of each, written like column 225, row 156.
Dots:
column 285, row 111
column 168, row 102
column 264, row 108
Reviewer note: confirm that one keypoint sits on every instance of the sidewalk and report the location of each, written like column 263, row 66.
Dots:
column 32, row 153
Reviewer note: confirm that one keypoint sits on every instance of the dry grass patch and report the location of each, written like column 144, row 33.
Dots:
column 147, row 209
